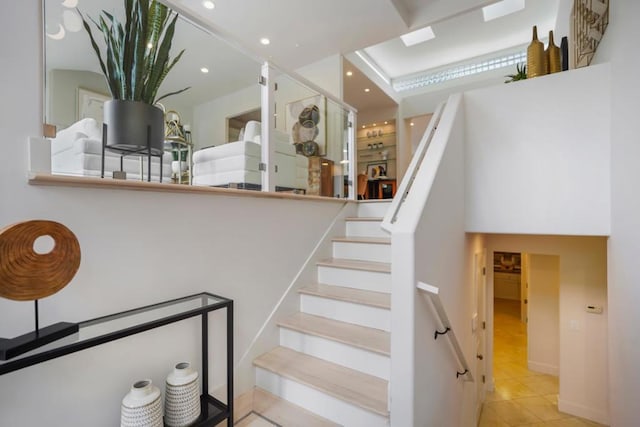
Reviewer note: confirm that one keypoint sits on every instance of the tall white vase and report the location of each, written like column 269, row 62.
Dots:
column 142, row 406
column 182, row 396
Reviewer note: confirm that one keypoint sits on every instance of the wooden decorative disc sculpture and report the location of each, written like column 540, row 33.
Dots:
column 26, row 275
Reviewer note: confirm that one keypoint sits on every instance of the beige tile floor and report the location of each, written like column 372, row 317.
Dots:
column 521, row 397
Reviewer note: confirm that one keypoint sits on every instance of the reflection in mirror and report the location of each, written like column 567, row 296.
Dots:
column 221, row 114
column 76, row 89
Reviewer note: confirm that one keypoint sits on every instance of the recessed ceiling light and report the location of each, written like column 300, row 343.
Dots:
column 375, row 124
column 364, row 126
column 386, row 123
column 411, row 124
column 205, row 70
column 418, row 36
column 500, row 9
column 367, row 90
column 349, row 73
column 265, row 41
column 208, row 4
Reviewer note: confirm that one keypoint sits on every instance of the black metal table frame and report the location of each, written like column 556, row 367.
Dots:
column 227, row 410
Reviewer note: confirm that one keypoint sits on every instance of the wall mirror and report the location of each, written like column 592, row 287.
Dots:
column 75, row 87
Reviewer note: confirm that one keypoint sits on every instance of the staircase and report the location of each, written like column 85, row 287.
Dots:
column 333, row 359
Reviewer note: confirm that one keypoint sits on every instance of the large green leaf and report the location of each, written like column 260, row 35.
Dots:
column 137, row 55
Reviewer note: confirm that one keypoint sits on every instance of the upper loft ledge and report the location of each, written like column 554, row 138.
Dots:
column 91, row 182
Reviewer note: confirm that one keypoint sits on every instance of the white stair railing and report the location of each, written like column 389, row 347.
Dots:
column 405, row 186
column 441, row 316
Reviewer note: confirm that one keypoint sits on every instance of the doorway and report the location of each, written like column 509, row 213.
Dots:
column 527, row 311
column 525, row 331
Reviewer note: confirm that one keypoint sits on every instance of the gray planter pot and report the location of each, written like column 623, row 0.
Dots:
column 130, row 123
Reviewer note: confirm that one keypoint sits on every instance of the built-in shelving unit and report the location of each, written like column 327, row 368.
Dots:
column 377, row 149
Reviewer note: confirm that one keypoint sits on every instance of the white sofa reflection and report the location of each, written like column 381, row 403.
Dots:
column 77, row 150
column 237, row 164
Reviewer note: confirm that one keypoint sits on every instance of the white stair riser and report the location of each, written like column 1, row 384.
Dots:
column 365, row 229
column 318, row 402
column 373, row 209
column 341, row 354
column 362, row 251
column 358, row 279
column 358, row 314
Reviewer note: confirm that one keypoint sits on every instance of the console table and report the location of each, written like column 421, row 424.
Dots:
column 113, row 327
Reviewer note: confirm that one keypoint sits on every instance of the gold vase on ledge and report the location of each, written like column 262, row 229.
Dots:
column 536, row 59
column 553, row 58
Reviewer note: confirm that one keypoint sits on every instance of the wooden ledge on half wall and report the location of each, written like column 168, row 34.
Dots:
column 107, row 183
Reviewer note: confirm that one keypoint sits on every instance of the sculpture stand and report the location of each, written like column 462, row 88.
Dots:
column 12, row 347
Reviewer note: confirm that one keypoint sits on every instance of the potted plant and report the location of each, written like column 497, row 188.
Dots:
column 135, row 62
column 521, row 74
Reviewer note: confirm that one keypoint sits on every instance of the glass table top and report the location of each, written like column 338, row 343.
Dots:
column 108, row 328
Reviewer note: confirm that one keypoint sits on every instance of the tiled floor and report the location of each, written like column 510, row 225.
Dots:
column 521, row 397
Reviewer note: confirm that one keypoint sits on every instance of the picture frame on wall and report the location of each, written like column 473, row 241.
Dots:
column 91, row 104
column 306, row 120
column 377, row 170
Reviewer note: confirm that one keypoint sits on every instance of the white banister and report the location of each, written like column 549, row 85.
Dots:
column 412, row 170
column 433, row 293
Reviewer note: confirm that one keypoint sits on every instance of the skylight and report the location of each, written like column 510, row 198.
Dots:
column 419, row 36
column 502, row 8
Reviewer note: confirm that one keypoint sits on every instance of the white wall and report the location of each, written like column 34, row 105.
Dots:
column 543, row 328
column 326, row 74
column 425, row 391
column 618, row 46
column 538, row 155
column 210, row 119
column 62, row 94
column 426, row 101
column 584, row 377
column 137, row 248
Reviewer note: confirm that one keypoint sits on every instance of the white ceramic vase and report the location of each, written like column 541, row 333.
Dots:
column 142, row 406
column 182, row 396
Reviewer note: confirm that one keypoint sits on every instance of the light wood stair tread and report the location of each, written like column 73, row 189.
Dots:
column 364, row 219
column 285, row 413
column 357, row 388
column 371, row 339
column 251, row 420
column 353, row 264
column 355, row 239
column 356, row 296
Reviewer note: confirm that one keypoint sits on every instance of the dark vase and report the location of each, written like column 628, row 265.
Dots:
column 564, row 51
column 132, row 126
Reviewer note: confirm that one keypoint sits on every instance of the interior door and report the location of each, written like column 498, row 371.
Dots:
column 480, row 323
column 524, row 289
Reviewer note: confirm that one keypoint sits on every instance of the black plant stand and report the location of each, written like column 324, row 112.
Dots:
column 120, row 325
column 140, row 151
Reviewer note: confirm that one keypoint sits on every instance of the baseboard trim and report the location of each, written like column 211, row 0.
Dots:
column 582, row 411
column 543, row 368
